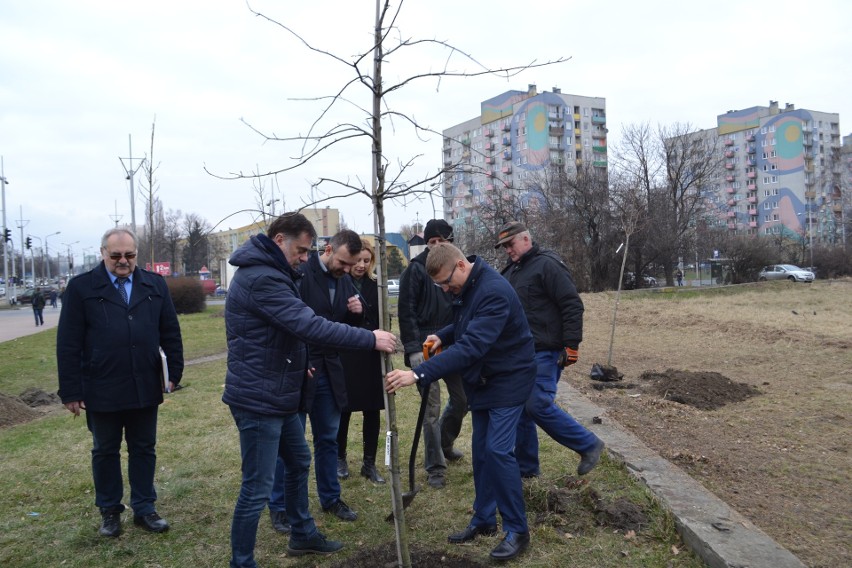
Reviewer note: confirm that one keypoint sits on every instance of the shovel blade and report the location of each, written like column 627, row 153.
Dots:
column 407, row 498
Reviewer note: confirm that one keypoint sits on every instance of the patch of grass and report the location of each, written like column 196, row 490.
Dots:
column 46, row 492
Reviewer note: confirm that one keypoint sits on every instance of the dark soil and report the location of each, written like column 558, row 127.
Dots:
column 703, row 390
column 385, row 556
column 31, row 404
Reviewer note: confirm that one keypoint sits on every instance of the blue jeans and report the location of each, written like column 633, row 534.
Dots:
column 496, row 477
column 262, row 439
column 542, row 410
column 325, row 420
column 139, row 428
column 39, row 316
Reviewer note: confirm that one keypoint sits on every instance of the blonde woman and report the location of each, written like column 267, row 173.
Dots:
column 363, row 372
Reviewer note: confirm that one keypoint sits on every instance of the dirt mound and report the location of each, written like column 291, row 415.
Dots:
column 33, row 397
column 15, row 411
column 704, row 390
column 385, row 556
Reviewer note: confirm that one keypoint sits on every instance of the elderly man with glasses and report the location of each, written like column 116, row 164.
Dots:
column 114, row 320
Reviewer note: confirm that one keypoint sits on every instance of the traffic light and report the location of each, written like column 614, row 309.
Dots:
column 29, row 242
column 7, row 235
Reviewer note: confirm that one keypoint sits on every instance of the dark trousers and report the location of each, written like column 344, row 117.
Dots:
column 369, row 435
column 139, row 428
column 39, row 316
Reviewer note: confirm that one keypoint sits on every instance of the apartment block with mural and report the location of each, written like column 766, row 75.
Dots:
column 516, row 136
column 782, row 173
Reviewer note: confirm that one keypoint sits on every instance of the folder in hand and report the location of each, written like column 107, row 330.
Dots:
column 164, row 374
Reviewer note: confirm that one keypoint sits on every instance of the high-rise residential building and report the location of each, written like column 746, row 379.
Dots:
column 515, row 139
column 782, row 173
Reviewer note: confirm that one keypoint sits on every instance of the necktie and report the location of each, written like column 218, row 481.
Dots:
column 121, row 289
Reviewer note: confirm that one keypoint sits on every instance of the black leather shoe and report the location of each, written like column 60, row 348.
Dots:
column 452, row 454
column 342, row 469
column 369, row 471
column 436, row 480
column 111, row 522
column 342, row 511
column 151, row 522
column 471, row 532
column 590, row 459
column 511, row 545
column 279, row 521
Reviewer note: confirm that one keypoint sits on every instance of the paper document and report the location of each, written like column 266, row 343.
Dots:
column 165, row 371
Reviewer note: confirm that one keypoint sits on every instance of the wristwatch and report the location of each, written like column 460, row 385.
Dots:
column 416, row 376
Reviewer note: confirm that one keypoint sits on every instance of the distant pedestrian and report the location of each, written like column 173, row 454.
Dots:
column 38, row 307
column 53, row 297
column 679, row 276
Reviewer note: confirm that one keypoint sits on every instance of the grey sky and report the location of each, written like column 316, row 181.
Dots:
column 77, row 77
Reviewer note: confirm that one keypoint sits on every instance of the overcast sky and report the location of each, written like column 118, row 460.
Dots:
column 77, row 78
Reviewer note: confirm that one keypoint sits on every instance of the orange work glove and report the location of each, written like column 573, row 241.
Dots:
column 568, row 357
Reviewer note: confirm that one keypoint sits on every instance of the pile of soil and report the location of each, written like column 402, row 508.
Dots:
column 31, row 404
column 703, row 390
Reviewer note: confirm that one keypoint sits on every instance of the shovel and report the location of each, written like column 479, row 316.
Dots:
column 409, row 495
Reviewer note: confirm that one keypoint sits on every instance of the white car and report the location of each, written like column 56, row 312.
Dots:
column 393, row 287
column 789, row 272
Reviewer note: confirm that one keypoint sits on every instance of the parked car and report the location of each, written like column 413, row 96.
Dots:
column 630, row 281
column 393, row 287
column 789, row 272
column 27, row 296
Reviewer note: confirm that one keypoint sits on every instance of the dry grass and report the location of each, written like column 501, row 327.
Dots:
column 781, row 458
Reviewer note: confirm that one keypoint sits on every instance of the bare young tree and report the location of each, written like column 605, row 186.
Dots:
column 148, row 192
column 326, row 134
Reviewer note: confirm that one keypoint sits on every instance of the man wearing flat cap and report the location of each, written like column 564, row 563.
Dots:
column 424, row 309
column 555, row 314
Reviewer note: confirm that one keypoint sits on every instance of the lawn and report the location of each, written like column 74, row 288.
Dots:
column 50, row 519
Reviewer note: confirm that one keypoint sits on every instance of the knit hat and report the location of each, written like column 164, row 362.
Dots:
column 438, row 228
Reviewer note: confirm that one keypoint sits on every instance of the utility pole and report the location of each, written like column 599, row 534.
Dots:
column 21, row 224
column 3, row 182
column 128, row 169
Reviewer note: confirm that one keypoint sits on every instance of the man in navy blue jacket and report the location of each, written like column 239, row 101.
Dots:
column 489, row 343
column 114, row 320
column 267, row 326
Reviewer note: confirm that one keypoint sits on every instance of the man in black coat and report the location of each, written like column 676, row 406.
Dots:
column 328, row 290
column 114, row 320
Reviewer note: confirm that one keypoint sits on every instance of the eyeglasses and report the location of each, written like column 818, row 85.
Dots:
column 116, row 256
column 509, row 243
column 450, row 277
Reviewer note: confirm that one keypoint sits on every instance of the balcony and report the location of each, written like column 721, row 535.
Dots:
column 492, row 174
column 732, row 202
column 750, row 138
column 488, row 132
column 751, row 162
column 807, row 141
column 598, row 120
column 489, row 187
column 579, row 161
column 750, row 149
column 837, row 208
column 507, row 141
column 751, row 186
column 557, row 130
column 731, row 214
column 729, row 154
column 751, row 175
column 507, row 155
column 729, row 142
column 752, row 200
column 730, row 190
column 599, row 149
column 599, row 163
column 576, row 132
column 732, row 226
column 576, row 117
column 507, row 169
column 752, row 224
column 465, row 141
column 729, row 178
column 489, row 160
column 729, row 166
column 810, row 194
column 507, row 127
column 490, row 145
column 447, row 159
column 752, row 212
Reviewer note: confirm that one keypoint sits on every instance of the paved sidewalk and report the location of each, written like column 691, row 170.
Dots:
column 19, row 321
column 718, row 534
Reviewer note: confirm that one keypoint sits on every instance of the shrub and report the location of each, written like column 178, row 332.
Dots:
column 187, row 295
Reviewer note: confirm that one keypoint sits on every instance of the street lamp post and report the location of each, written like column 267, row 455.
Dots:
column 70, row 258
column 47, row 253
column 32, row 257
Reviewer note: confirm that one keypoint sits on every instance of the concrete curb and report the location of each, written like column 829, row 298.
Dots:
column 718, row 534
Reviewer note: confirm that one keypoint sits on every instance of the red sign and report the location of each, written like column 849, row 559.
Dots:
column 161, row 268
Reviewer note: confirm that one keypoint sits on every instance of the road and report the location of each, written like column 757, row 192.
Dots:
column 19, row 321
